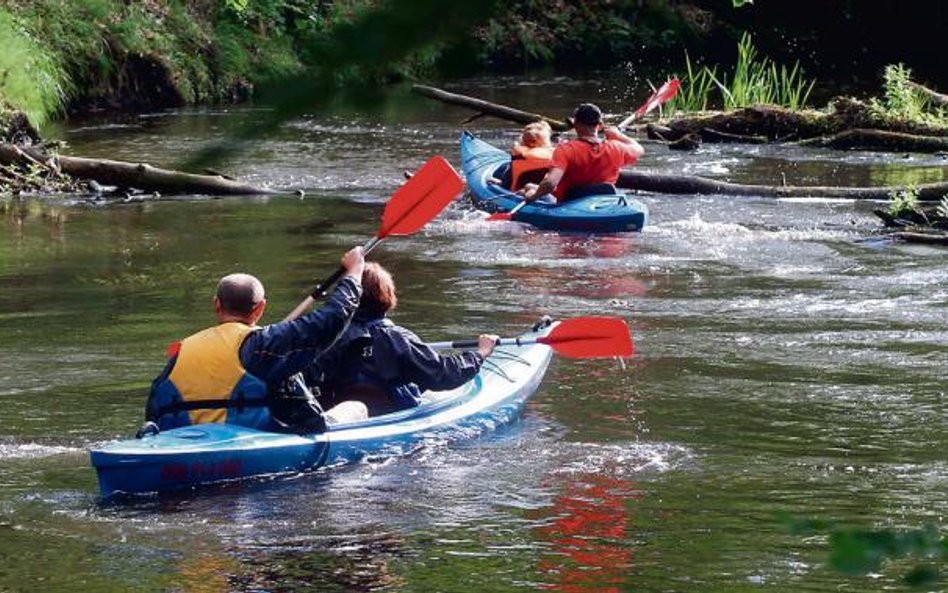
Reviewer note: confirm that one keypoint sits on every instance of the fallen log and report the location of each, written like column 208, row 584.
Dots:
column 131, row 175
column 883, row 140
column 925, row 238
column 933, row 96
column 694, row 185
column 488, row 108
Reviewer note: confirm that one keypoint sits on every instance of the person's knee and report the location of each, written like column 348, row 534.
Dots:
column 347, row 411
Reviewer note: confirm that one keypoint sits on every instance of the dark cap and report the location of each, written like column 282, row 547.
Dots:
column 587, row 114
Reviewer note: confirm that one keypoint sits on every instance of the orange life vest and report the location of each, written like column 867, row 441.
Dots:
column 529, row 165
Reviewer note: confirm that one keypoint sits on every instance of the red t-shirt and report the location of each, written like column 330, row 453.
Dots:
column 584, row 163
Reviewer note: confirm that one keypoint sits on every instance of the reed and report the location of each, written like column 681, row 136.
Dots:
column 755, row 80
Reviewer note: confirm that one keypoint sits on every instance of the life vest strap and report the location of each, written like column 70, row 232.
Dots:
column 211, row 404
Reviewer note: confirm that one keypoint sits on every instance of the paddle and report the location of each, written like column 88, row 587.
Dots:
column 662, row 95
column 582, row 337
column 415, row 203
column 507, row 215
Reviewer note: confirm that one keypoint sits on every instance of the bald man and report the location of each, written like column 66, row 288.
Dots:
column 230, row 372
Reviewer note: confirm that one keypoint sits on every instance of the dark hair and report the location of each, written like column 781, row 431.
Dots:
column 378, row 290
column 239, row 293
column 587, row 114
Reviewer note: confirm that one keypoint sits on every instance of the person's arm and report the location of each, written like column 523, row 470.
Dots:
column 282, row 349
column 613, row 133
column 406, row 356
column 546, row 186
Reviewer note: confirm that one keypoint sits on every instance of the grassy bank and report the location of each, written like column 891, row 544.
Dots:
column 100, row 54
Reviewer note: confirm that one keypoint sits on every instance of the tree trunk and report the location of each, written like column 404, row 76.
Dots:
column 691, row 185
column 862, row 139
column 132, row 175
column 926, row 238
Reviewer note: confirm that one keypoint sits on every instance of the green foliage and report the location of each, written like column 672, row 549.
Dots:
column 755, row 80
column 942, row 208
column 902, row 101
column 858, row 551
column 31, row 78
column 903, row 201
column 526, row 34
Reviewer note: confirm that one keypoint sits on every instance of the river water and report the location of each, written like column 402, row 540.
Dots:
column 789, row 363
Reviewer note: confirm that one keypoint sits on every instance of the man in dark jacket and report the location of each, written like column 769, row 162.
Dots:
column 230, row 372
column 386, row 366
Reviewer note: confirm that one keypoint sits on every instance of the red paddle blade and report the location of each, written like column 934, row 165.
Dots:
column 662, row 95
column 590, row 337
column 499, row 216
column 422, row 197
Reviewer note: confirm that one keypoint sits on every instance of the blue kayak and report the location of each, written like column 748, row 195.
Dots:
column 209, row 453
column 608, row 213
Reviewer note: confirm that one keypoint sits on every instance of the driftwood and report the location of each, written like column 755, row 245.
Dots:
column 862, row 139
column 129, row 175
column 691, row 185
column 488, row 108
column 926, row 238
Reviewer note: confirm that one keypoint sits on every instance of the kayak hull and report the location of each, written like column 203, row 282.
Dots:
column 609, row 213
column 210, row 453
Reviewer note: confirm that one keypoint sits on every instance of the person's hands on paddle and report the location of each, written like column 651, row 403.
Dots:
column 614, row 133
column 486, row 344
column 353, row 262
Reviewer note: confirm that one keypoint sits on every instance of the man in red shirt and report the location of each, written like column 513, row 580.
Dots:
column 589, row 164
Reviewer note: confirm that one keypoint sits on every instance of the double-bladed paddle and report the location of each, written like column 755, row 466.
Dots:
column 415, row 203
column 509, row 214
column 664, row 94
column 581, row 337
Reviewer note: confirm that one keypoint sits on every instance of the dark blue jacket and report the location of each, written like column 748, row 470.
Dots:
column 375, row 355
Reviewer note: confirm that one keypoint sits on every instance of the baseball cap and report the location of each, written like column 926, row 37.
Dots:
column 588, row 114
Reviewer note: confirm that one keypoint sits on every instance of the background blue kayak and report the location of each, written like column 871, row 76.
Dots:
column 609, row 213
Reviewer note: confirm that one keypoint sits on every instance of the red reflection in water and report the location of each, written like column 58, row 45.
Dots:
column 590, row 552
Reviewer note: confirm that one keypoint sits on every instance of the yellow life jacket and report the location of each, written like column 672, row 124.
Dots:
column 208, row 383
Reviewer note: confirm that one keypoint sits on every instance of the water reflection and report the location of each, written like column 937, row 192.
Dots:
column 590, row 545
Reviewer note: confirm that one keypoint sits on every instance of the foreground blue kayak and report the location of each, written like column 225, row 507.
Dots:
column 608, row 213
column 208, row 453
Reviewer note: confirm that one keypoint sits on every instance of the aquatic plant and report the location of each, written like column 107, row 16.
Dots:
column 695, row 90
column 942, row 208
column 902, row 101
column 904, row 201
column 755, row 80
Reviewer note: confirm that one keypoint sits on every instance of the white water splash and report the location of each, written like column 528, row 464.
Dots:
column 33, row 450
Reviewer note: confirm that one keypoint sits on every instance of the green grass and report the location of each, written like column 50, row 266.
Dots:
column 755, row 80
column 31, row 78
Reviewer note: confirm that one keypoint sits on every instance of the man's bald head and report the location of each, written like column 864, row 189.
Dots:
column 238, row 294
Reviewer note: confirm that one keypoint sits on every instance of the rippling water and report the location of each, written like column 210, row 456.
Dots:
column 788, row 362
